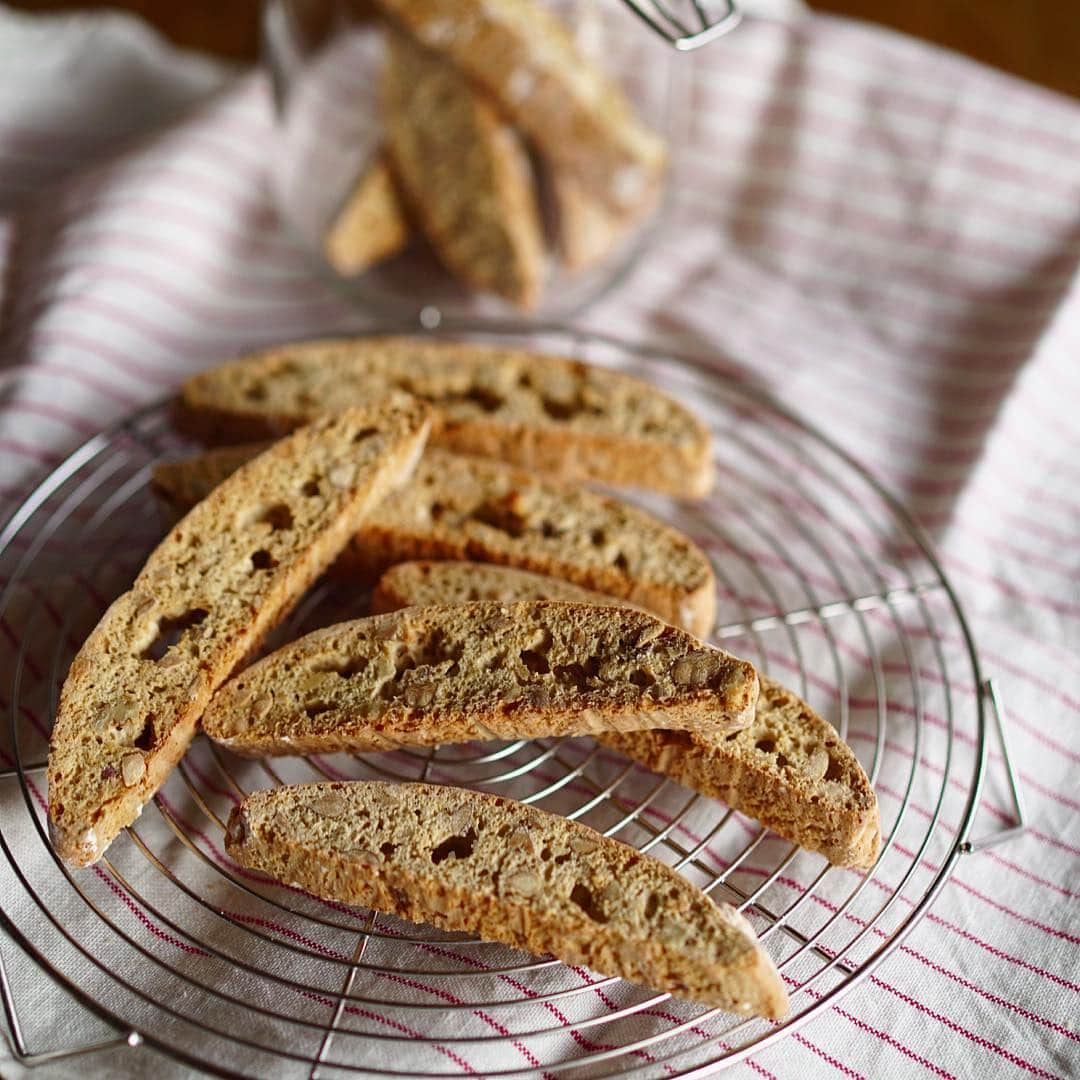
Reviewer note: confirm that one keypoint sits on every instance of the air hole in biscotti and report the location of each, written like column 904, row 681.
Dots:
column 545, row 854
column 317, row 708
column 559, row 410
column 583, row 897
column 652, row 904
column 781, row 761
column 310, row 489
column 535, row 662
column 642, row 678
column 145, row 739
column 346, row 668
column 579, row 676
column 621, row 562
column 549, row 530
column 263, row 560
column 766, row 746
column 499, row 516
column 835, row 771
column 438, row 511
column 486, row 399
column 363, row 434
column 598, row 537
column 169, row 632
column 278, row 516
column 460, row 847
column 564, row 857
column 256, row 392
column 388, row 849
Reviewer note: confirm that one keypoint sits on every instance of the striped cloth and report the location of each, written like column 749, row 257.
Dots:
column 885, row 235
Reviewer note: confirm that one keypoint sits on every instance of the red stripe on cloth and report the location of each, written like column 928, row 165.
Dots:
column 978, row 1040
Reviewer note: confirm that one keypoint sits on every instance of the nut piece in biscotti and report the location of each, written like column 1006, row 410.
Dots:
column 556, row 415
column 423, row 584
column 510, row 873
column 464, row 174
column 488, row 670
column 469, row 508
column 370, row 227
column 207, row 596
column 530, row 65
column 789, row 769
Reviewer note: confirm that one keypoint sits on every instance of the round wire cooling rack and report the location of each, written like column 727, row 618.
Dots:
column 823, row 581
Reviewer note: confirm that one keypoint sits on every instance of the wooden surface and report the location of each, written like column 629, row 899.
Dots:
column 1036, row 39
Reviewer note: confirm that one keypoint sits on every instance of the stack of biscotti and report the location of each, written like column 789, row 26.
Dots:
column 525, row 539
column 468, row 89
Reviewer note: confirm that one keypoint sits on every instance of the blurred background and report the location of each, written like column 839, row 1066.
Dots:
column 1035, row 39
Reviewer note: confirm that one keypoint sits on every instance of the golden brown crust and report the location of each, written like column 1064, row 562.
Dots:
column 208, row 594
column 555, row 415
column 433, row 675
column 510, row 873
column 464, row 173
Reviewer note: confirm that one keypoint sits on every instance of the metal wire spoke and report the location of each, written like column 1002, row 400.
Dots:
column 823, row 578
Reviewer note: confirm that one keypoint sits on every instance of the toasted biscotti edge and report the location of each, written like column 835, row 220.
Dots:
column 462, row 860
column 126, row 715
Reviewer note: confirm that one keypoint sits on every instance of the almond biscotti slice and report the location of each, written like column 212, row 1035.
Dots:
column 370, row 227
column 510, row 873
column 433, row 675
column 530, row 65
column 789, row 768
column 464, row 173
column 559, row 416
column 469, row 508
column 208, row 594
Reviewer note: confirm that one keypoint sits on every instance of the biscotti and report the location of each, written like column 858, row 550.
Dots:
column 468, row 508
column 789, row 768
column 521, row 55
column 433, row 675
column 370, row 227
column 509, row 873
column 553, row 414
column 207, row 596
column 452, row 582
column 464, row 173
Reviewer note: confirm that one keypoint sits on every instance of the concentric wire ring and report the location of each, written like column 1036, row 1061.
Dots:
column 823, row 581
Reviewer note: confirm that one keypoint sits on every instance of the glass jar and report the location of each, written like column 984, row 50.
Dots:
column 326, row 59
